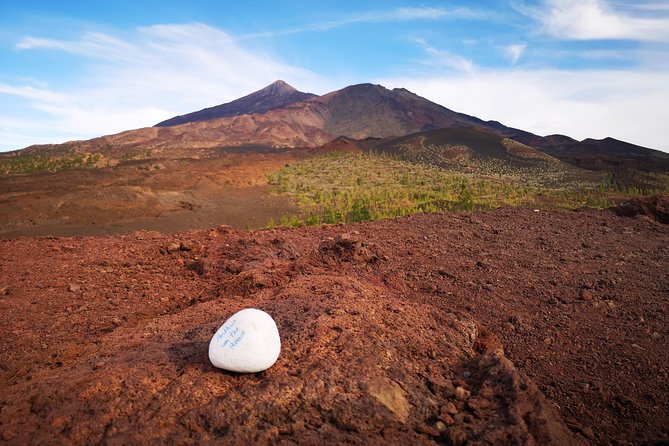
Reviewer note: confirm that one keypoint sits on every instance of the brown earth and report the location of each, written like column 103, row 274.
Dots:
column 505, row 327
column 168, row 194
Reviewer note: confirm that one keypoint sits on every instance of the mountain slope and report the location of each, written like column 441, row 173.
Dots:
column 447, row 145
column 276, row 95
column 607, row 153
column 629, row 164
column 480, row 151
column 367, row 110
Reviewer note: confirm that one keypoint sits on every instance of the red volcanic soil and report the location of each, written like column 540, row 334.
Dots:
column 505, row 327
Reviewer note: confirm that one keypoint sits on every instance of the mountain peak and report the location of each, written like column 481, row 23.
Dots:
column 276, row 95
column 280, row 87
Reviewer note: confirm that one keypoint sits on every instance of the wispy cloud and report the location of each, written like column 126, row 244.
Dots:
column 29, row 92
column 134, row 80
column 514, row 51
column 395, row 15
column 442, row 59
column 600, row 20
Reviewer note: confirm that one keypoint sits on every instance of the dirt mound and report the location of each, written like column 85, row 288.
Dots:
column 393, row 332
column 656, row 208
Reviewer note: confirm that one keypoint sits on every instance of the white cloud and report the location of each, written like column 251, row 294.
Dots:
column 626, row 105
column 29, row 92
column 442, row 59
column 138, row 80
column 513, row 52
column 597, row 19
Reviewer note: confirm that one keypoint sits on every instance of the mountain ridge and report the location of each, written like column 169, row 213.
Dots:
column 280, row 116
column 276, row 95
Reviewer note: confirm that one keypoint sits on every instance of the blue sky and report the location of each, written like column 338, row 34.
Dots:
column 585, row 68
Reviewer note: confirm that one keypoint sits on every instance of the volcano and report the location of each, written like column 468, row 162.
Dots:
column 275, row 95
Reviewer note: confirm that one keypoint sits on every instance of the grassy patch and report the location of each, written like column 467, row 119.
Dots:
column 135, row 154
column 29, row 164
column 346, row 188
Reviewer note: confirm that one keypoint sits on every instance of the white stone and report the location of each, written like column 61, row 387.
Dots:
column 248, row 342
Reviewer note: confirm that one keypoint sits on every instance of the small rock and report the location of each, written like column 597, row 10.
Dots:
column 186, row 245
column 172, row 248
column 655, row 335
column 444, row 273
column 587, row 431
column 73, row 288
column 198, row 266
column 517, row 322
column 327, row 244
column 482, row 264
column 478, row 404
column 391, row 395
column 8, row 435
column 449, row 408
column 248, row 342
column 346, row 239
column 508, row 326
column 461, row 393
column 441, row 385
column 224, row 229
column 586, row 294
column 440, row 426
column 116, row 321
column 447, row 419
column 429, row 430
column 565, row 300
column 456, row 436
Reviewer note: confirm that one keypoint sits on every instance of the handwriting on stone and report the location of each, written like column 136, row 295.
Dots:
column 230, row 336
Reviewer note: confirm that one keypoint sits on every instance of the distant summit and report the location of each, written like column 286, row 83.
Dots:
column 276, row 95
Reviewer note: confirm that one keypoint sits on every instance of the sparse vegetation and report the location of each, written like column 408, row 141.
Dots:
column 28, row 164
column 136, row 155
column 345, row 188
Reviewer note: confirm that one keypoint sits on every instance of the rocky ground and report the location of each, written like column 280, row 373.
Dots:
column 504, row 327
column 164, row 194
